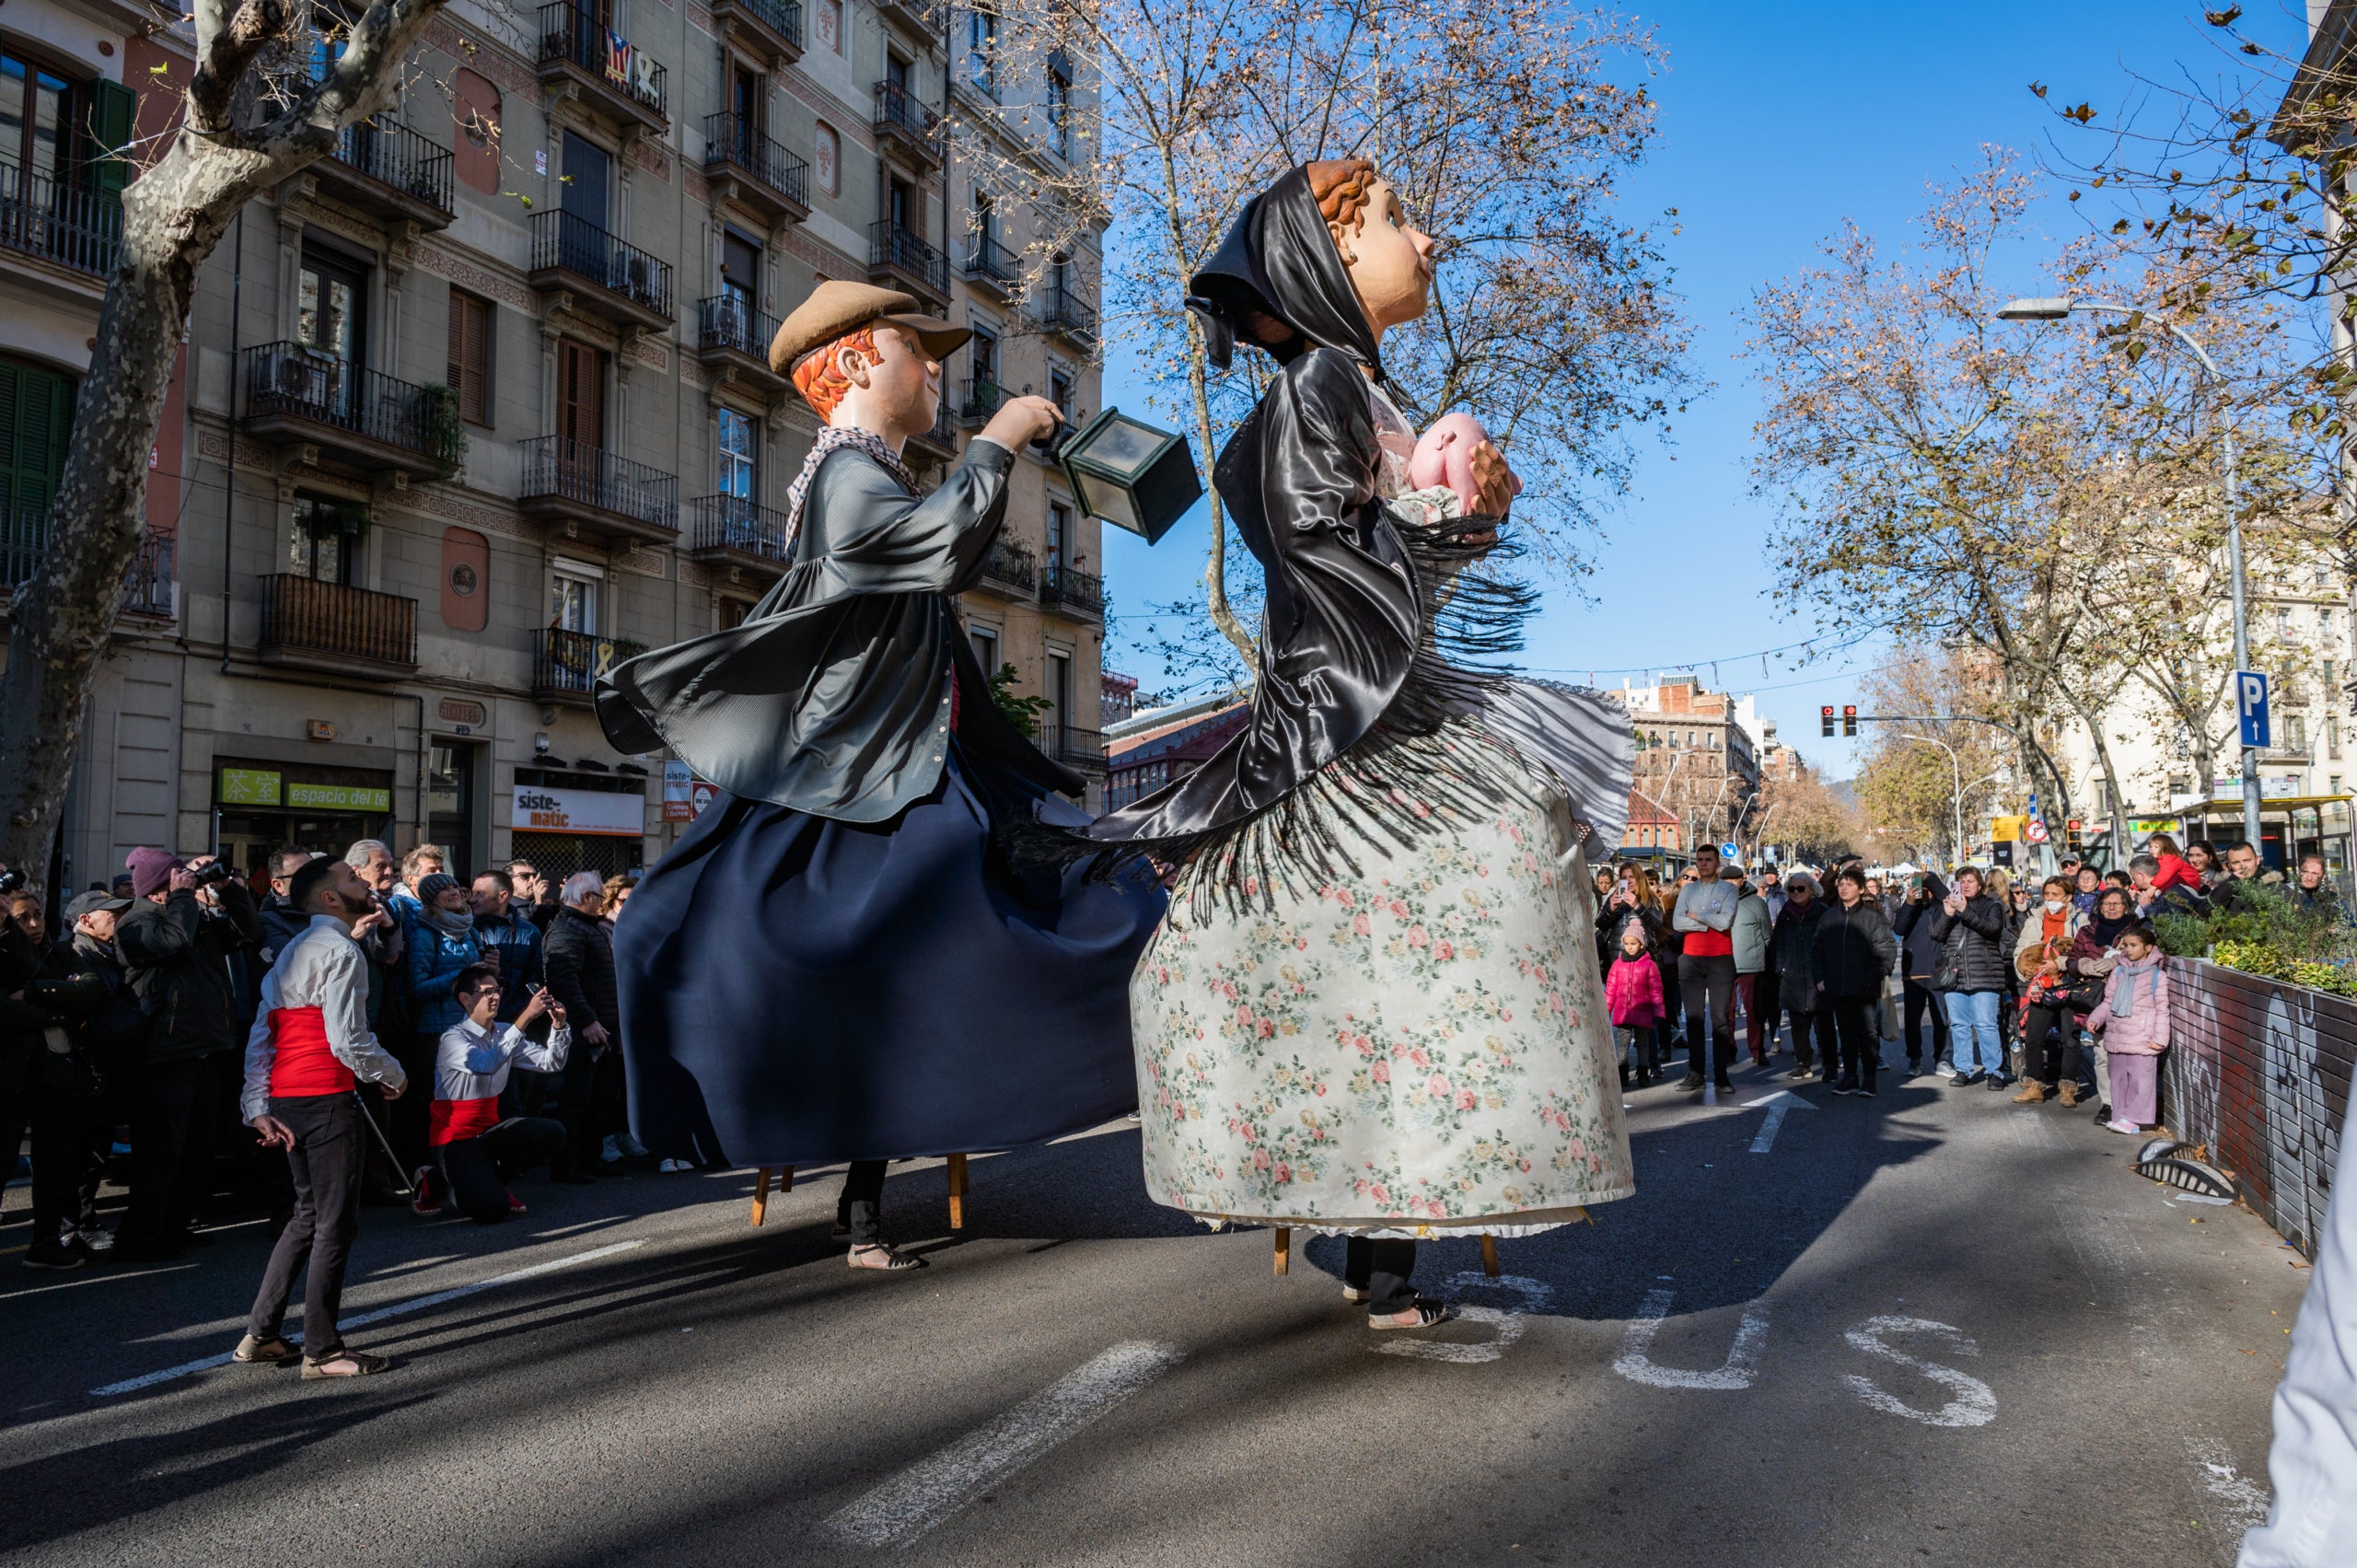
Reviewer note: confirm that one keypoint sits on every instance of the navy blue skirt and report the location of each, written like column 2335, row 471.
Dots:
column 797, row 991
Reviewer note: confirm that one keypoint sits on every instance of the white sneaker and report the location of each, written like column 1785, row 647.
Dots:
column 97, row 1237
column 2118, row 1125
column 630, row 1145
column 613, row 1149
column 673, row 1165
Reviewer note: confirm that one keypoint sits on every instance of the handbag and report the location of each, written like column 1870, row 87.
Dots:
column 1949, row 974
column 2084, row 992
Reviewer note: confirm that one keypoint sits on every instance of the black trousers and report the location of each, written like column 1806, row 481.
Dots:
column 66, row 1159
column 1921, row 999
column 479, row 1168
column 2050, row 1064
column 325, row 1163
column 407, row 1118
column 860, row 1207
column 1381, row 1269
column 1861, row 1047
column 1707, row 984
column 1766, row 1007
column 174, row 1129
column 1816, row 1021
column 587, row 1101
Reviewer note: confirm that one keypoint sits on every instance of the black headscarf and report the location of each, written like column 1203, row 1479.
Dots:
column 2107, row 932
column 1279, row 259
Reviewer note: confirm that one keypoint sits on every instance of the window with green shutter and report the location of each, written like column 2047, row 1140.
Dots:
column 35, row 411
column 113, row 113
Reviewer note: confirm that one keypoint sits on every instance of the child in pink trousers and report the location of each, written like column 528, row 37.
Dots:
column 1633, row 996
column 2133, row 1021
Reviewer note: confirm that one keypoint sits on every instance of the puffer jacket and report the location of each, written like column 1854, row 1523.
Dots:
column 1855, row 950
column 2145, row 1031
column 2029, row 941
column 1752, row 927
column 1632, row 993
column 1973, row 945
column 579, row 959
column 1792, row 952
column 435, row 958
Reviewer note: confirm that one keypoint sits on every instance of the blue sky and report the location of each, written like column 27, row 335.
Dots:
column 1778, row 121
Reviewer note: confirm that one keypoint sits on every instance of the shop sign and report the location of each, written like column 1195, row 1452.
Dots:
column 539, row 809
column 248, row 786
column 677, row 782
column 339, row 798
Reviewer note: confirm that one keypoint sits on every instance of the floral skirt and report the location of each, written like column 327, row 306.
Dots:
column 1419, row 1050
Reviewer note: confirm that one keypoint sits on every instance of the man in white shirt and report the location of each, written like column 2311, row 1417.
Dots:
column 1704, row 914
column 478, row 1150
column 310, row 1046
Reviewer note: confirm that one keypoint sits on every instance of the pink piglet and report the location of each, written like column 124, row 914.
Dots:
column 1444, row 457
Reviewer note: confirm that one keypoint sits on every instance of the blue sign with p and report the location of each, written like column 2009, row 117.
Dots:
column 2250, row 705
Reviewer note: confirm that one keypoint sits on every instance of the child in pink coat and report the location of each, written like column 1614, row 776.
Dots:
column 1633, row 996
column 2133, row 1020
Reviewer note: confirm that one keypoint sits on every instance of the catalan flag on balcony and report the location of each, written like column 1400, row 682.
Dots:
column 618, row 58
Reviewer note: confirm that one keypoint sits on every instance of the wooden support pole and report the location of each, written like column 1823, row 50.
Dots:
column 1490, row 1256
column 786, row 1178
column 761, row 1191
column 1284, row 1249
column 957, row 1191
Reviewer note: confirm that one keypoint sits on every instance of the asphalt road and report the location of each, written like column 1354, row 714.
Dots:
column 1933, row 1327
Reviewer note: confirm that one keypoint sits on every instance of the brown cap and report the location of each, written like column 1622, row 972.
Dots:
column 837, row 308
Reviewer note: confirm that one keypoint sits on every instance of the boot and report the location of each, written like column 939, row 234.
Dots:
column 2069, row 1094
column 2033, row 1092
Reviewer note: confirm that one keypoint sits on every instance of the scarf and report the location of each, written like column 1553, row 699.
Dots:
column 831, row 438
column 450, row 922
column 2107, row 932
column 2123, row 993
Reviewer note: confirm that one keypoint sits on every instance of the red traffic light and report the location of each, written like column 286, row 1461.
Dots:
column 1850, row 718
column 1825, row 715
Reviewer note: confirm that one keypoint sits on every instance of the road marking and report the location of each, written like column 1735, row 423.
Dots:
column 1975, row 1404
column 379, row 1315
column 1506, row 1323
column 1778, row 1103
column 1636, row 1362
column 109, row 1277
column 939, row 1485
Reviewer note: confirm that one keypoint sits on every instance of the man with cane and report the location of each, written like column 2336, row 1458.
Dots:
column 309, row 1048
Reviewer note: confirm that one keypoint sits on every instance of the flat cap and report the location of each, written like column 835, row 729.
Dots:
column 92, row 902
column 839, row 308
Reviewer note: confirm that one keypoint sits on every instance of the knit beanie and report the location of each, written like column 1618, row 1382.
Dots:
column 151, row 871
column 432, row 886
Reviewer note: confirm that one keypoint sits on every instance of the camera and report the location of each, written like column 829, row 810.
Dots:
column 212, row 875
column 12, row 881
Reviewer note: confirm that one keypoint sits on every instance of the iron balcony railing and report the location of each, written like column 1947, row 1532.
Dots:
column 74, row 228
column 146, row 582
column 944, row 430
column 982, row 398
column 783, row 18
column 1060, row 585
column 568, row 240
column 296, row 380
column 305, row 615
column 1082, row 747
column 733, row 139
column 734, row 522
column 1066, row 314
column 572, row 661
column 1013, row 563
column 729, row 320
column 578, row 472
column 570, row 32
column 889, row 244
column 390, row 153
column 898, row 112
column 988, row 261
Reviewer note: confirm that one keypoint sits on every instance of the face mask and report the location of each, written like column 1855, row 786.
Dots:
column 2054, row 906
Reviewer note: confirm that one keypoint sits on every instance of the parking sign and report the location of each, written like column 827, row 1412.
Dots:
column 2250, row 705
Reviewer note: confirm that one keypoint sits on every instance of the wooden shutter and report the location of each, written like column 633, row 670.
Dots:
column 35, row 412
column 113, row 109
column 581, row 413
column 469, row 359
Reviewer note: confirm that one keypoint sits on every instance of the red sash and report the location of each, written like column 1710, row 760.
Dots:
column 303, row 1066
column 449, row 1121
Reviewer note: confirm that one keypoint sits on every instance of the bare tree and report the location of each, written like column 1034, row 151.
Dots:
column 256, row 111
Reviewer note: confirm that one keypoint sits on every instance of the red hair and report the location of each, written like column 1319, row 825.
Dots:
column 819, row 376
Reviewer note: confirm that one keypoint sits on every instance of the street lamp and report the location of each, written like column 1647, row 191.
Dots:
column 2055, row 310
column 1956, row 768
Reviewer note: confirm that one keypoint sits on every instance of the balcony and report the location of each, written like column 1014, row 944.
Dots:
column 992, row 267
column 1063, row 314
column 566, row 665
column 769, row 28
column 734, row 338
column 588, row 490
column 578, row 54
column 903, row 123
column 940, row 440
column 729, row 531
column 897, row 259
column 149, row 590
column 1010, row 571
column 383, row 166
column 80, row 230
column 753, row 171
column 1083, row 751
column 979, row 399
column 296, row 396
column 919, row 18
column 606, row 278
column 1077, row 595
column 327, row 626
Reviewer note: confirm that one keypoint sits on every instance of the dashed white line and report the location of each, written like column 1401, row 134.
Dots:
column 939, row 1485
column 379, row 1315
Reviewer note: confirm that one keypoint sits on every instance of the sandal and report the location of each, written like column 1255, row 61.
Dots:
column 893, row 1261
column 272, row 1351
column 1428, row 1313
column 363, row 1364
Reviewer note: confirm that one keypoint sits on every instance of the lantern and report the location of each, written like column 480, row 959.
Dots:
column 1130, row 474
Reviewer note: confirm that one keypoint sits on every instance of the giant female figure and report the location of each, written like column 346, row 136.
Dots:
column 1373, row 1006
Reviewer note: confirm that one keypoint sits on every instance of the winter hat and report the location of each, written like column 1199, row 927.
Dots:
column 432, row 886
column 151, row 871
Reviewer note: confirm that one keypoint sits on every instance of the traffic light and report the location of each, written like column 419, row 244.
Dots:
column 1850, row 718
column 1826, row 714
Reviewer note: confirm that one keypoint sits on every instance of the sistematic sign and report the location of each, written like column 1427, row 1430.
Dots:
column 539, row 809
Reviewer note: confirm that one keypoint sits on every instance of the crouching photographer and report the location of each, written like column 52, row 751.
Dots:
column 479, row 1151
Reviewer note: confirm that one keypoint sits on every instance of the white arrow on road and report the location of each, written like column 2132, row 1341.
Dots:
column 1778, row 1103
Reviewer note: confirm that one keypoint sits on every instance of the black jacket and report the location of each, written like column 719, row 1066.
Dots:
column 114, row 1032
column 179, row 955
column 281, row 924
column 833, row 697
column 1913, row 928
column 1973, row 945
column 1855, row 950
column 1792, row 952
column 579, row 958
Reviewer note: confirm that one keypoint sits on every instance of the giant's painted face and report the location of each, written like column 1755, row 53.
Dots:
column 1390, row 261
